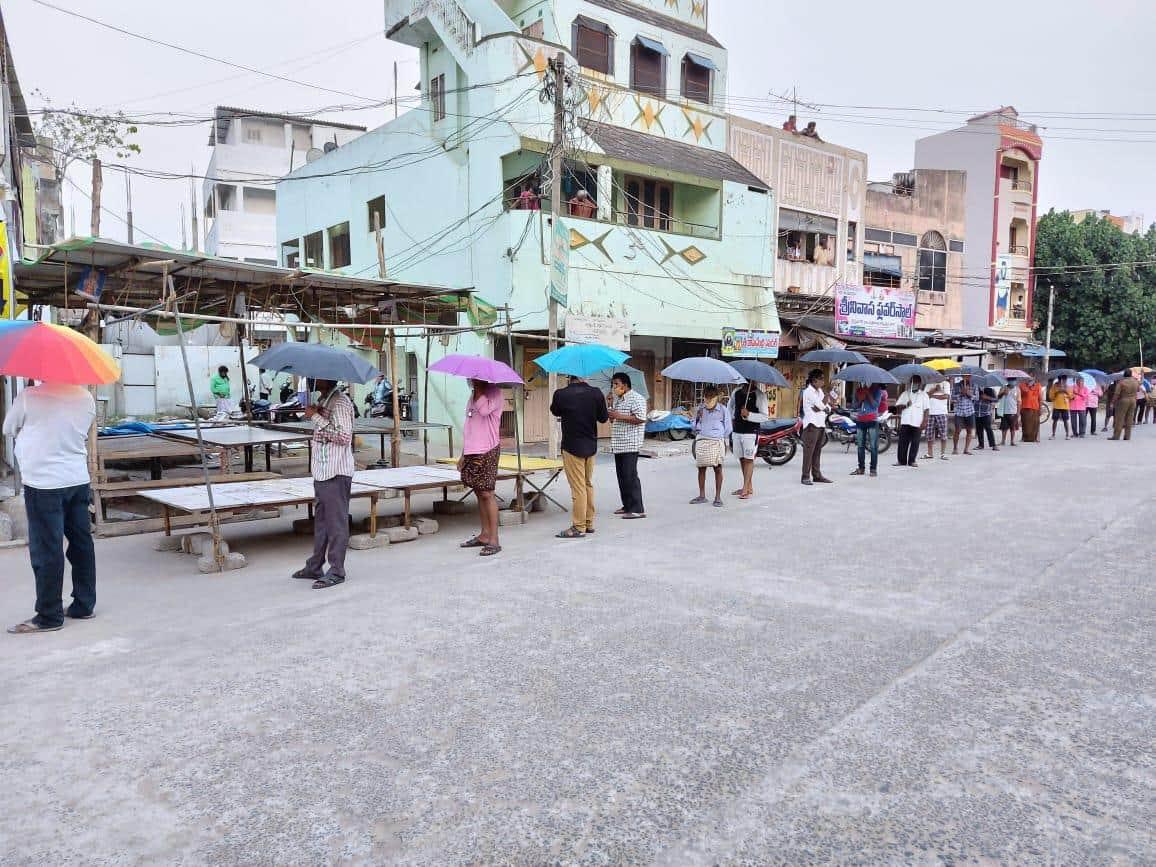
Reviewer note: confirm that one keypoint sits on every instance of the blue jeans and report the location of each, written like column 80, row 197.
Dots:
column 53, row 517
column 867, row 436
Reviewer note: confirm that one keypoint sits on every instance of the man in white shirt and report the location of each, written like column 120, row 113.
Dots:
column 938, row 396
column 815, row 407
column 916, row 409
column 51, row 424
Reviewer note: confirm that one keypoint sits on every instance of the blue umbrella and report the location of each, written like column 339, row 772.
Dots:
column 581, row 359
column 316, row 361
column 760, row 371
column 835, row 356
column 706, row 370
column 866, row 374
column 1093, row 371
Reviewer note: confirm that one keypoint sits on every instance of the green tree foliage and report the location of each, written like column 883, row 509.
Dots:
column 75, row 135
column 1105, row 302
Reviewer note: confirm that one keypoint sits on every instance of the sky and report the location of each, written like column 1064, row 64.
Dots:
column 880, row 74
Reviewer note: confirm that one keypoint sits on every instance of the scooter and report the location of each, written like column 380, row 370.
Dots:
column 779, row 440
column 842, row 429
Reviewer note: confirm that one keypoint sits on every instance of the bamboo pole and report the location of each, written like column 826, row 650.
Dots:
column 517, row 388
column 391, row 340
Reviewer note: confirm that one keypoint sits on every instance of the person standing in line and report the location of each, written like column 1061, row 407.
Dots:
column 481, row 451
column 1150, row 399
column 815, row 407
column 964, row 396
column 985, row 401
column 937, row 421
column 748, row 408
column 866, row 409
column 1109, row 405
column 1031, row 396
column 1093, row 403
column 712, row 428
column 912, row 422
column 627, row 433
column 1009, row 414
column 51, row 424
column 1124, row 407
column 1061, row 397
column 1142, row 399
column 1078, row 407
column 332, row 469
column 222, row 390
column 580, row 407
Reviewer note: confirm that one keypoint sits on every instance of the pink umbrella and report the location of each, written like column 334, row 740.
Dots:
column 476, row 367
column 1011, row 374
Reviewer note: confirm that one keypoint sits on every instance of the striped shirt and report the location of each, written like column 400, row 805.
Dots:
column 333, row 437
column 626, row 437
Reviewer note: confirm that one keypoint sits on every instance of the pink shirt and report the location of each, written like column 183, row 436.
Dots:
column 483, row 421
column 1079, row 401
column 1094, row 397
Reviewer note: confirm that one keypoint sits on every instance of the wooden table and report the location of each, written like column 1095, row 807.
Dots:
column 380, row 427
column 509, row 463
column 228, row 439
column 142, row 447
column 409, row 480
column 232, row 497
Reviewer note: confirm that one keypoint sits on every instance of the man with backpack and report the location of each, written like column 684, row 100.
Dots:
column 870, row 403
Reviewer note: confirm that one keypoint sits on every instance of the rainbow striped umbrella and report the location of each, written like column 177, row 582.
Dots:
column 53, row 353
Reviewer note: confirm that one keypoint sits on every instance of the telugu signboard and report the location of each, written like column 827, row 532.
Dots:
column 559, row 263
column 612, row 331
column 744, row 343
column 874, row 311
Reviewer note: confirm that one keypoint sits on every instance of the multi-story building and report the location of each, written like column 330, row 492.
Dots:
column 251, row 149
column 1128, row 224
column 1001, row 155
column 820, row 190
column 669, row 247
column 913, row 234
column 17, row 138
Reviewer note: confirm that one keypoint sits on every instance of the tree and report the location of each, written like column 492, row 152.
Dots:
column 1105, row 301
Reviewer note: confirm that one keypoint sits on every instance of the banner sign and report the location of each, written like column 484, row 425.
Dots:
column 743, row 343
column 559, row 263
column 1003, row 268
column 874, row 311
column 612, row 331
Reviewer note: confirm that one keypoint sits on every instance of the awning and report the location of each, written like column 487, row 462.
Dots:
column 825, row 325
column 880, row 264
column 1040, row 352
column 797, row 221
column 591, row 24
column 652, row 44
column 923, row 353
column 699, row 60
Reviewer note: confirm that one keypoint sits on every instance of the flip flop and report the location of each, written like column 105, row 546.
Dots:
column 28, row 627
column 490, row 550
column 473, row 543
column 327, row 581
column 569, row 533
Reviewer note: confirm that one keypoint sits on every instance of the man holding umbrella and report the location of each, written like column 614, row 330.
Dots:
column 748, row 408
column 815, row 408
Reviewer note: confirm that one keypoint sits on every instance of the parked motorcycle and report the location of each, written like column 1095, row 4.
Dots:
column 384, row 408
column 842, row 429
column 779, row 440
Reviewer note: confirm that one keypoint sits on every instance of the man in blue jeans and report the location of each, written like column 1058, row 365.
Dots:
column 866, row 409
column 51, row 424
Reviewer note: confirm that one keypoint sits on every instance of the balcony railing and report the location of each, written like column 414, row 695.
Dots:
column 453, row 18
column 663, row 223
column 1021, row 186
column 1018, row 250
column 1019, row 313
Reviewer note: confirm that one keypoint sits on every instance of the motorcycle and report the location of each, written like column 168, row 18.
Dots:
column 778, row 440
column 842, row 429
column 384, row 408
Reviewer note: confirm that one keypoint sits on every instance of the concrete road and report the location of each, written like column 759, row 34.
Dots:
column 949, row 665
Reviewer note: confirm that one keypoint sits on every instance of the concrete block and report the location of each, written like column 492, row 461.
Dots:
column 303, row 526
column 196, row 543
column 397, row 535
column 539, row 504
column 13, row 507
column 506, row 518
column 6, row 528
column 426, row 526
column 383, row 522
column 169, row 543
column 365, row 542
column 451, row 507
column 232, row 561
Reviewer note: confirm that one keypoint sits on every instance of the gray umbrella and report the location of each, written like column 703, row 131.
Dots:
column 759, row 371
column 905, row 372
column 316, row 361
column 704, row 369
column 834, row 356
column 964, row 370
column 866, row 374
column 1063, row 372
column 989, row 380
column 601, row 380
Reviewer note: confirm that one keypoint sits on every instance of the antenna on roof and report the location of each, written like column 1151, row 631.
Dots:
column 793, row 98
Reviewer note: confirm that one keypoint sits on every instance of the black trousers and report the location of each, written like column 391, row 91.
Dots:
column 982, row 426
column 56, row 516
column 1092, row 418
column 330, row 525
column 909, row 435
column 629, row 485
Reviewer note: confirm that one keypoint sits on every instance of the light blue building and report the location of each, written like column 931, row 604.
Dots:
column 674, row 247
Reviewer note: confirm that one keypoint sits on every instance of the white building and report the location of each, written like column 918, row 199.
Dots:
column 252, row 150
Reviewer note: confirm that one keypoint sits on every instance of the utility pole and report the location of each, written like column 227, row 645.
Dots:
column 395, row 90
column 1048, row 339
column 559, row 68
column 391, row 343
column 128, row 203
column 184, row 229
column 97, row 184
column 193, row 205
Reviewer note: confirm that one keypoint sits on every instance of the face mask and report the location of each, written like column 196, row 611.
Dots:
column 711, row 402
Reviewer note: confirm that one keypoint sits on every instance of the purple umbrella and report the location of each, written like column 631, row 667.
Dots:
column 476, row 367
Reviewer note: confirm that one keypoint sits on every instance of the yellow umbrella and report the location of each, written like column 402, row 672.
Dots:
column 942, row 364
column 1136, row 370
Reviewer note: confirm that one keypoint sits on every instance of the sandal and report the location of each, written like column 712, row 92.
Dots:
column 31, row 627
column 328, row 581
column 620, row 512
column 490, row 550
column 569, row 533
column 473, row 543
column 589, row 531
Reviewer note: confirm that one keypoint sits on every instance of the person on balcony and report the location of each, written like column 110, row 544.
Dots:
column 792, row 124
column 527, row 200
column 811, row 131
column 581, row 205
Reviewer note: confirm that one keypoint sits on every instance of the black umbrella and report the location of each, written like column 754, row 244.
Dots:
column 989, row 380
column 760, row 371
column 1063, row 372
column 316, row 361
column 964, row 370
column 866, row 374
column 834, row 356
column 905, row 372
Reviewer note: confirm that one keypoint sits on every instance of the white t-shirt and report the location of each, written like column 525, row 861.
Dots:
column 914, row 404
column 51, row 423
column 813, row 397
column 938, row 407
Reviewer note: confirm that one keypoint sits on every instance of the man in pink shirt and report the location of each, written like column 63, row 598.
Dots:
column 1079, row 408
column 1094, row 395
column 481, row 451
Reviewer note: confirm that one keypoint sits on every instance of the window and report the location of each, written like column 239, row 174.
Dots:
column 648, row 66
column 932, row 263
column 376, row 212
column 291, row 253
column 852, row 238
column 880, row 235
column 955, row 246
column 1009, row 172
column 696, row 72
column 649, row 203
column 314, row 251
column 1019, row 310
column 226, row 197
column 903, row 239
column 260, row 201
column 437, row 97
column 593, row 45
column 252, row 133
column 880, row 270
column 807, row 237
column 339, row 252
